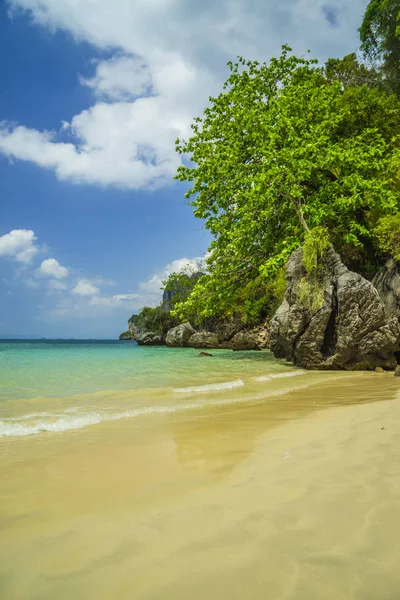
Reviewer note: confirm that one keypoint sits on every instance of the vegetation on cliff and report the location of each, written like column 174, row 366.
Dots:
column 291, row 153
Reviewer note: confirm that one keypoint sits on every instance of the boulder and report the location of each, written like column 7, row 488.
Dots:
column 346, row 328
column 245, row 340
column 262, row 334
column 178, row 337
column 149, row 338
column 387, row 283
column 145, row 337
column 204, row 339
column 397, row 371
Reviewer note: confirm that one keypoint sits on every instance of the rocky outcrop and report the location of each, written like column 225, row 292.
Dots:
column 387, row 283
column 254, row 339
column 342, row 325
column 149, row 338
column 125, row 336
column 203, row 339
column 244, row 340
column 178, row 337
column 145, row 337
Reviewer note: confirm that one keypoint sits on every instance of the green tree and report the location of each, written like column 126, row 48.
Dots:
column 282, row 150
column 351, row 73
column 380, row 37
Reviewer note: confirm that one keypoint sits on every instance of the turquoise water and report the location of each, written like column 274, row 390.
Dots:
column 62, row 368
column 54, row 386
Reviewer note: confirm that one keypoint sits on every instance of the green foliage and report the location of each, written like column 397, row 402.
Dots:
column 162, row 318
column 315, row 245
column 387, row 233
column 287, row 147
column 380, row 37
column 181, row 284
column 351, row 73
column 310, row 292
column 154, row 319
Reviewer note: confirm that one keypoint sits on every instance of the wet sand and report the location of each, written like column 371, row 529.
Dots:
column 297, row 497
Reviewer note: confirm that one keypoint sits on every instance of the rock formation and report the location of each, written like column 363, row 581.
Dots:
column 145, row 337
column 203, row 339
column 126, row 335
column 178, row 337
column 345, row 324
column 244, row 340
column 387, row 282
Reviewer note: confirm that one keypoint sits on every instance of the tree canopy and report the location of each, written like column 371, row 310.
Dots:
column 380, row 37
column 287, row 147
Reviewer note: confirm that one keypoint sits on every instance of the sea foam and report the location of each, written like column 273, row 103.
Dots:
column 211, row 387
column 280, row 375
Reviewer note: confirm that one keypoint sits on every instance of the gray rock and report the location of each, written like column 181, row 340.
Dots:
column 347, row 329
column 245, row 340
column 397, row 371
column 149, row 338
column 225, row 345
column 262, row 336
column 145, row 337
column 204, row 339
column 178, row 337
column 387, row 282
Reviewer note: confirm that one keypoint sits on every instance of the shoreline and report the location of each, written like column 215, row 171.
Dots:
column 298, row 496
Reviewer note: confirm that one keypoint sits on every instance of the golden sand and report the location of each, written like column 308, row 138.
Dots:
column 295, row 498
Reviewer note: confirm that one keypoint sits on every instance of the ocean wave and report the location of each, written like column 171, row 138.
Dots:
column 69, row 420
column 212, row 387
column 280, row 375
column 64, row 422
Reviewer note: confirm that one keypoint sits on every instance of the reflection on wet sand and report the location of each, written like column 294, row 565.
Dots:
column 289, row 498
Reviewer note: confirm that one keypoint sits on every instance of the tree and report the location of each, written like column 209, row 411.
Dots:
column 282, row 150
column 380, row 37
column 351, row 73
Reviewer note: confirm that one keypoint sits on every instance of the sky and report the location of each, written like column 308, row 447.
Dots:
column 93, row 95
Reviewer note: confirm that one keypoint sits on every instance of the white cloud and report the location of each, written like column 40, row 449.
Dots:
column 52, row 268
column 120, row 78
column 169, row 56
column 86, row 299
column 113, row 301
column 55, row 285
column 85, row 288
column 19, row 244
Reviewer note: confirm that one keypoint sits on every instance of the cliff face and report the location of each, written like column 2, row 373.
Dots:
column 353, row 325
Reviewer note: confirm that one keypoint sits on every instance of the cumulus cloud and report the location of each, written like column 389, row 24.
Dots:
column 52, row 268
column 120, row 78
column 86, row 298
column 169, row 56
column 55, row 285
column 19, row 244
column 113, row 301
column 84, row 287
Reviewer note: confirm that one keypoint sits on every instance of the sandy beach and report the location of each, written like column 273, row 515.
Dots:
column 296, row 498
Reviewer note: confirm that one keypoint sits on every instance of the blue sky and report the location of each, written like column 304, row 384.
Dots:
column 92, row 97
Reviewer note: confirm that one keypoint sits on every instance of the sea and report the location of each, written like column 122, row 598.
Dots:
column 151, row 473
column 59, row 385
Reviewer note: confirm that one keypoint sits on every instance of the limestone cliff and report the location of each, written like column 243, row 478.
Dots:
column 350, row 326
